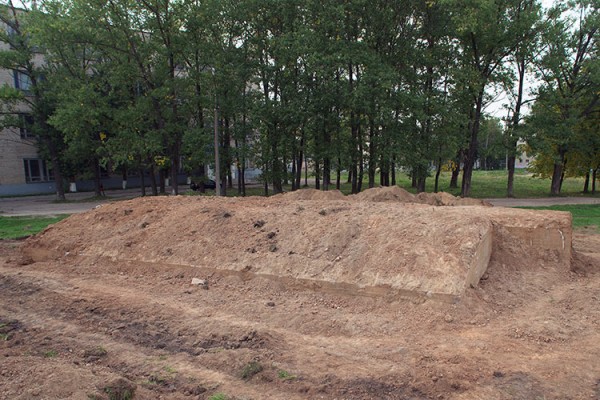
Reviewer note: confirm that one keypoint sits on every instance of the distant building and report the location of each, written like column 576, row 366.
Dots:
column 22, row 170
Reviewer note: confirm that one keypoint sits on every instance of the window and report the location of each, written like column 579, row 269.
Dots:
column 22, row 81
column 37, row 171
column 25, row 126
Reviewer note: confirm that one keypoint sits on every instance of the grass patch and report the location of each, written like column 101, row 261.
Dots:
column 19, row 227
column 218, row 396
column 491, row 184
column 584, row 215
column 285, row 376
column 251, row 369
column 50, row 354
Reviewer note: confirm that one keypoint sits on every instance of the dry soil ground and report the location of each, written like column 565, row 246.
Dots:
column 90, row 327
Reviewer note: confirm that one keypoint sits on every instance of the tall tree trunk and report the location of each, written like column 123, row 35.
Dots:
column 299, row 159
column 285, row 176
column 239, row 163
column 317, row 175
column 372, row 153
column 471, row 155
column 562, row 175
column 143, row 181
column 456, row 172
column 243, row 177
column 594, row 180
column 511, row 176
column 226, row 163
column 326, row 154
column 356, row 146
column 161, row 180
column 97, row 177
column 586, row 184
column 265, row 180
column 153, row 180
column 326, row 173
column 557, row 174
column 276, row 169
column 305, row 170
column 56, row 170
column 516, row 119
column 293, row 174
column 361, row 170
column 338, row 178
column 419, row 177
column 175, row 168
column 438, row 171
column 393, row 169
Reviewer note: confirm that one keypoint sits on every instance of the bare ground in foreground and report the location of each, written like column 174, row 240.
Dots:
column 92, row 328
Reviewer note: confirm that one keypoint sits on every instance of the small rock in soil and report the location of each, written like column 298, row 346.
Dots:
column 270, row 304
column 203, row 283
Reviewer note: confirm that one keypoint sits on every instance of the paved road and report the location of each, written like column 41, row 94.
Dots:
column 46, row 205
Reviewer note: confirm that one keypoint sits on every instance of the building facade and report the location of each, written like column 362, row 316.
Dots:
column 22, row 170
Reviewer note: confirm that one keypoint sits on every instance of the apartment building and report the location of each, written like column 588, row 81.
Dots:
column 22, row 170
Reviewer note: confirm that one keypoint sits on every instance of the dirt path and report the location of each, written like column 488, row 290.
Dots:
column 82, row 327
column 91, row 320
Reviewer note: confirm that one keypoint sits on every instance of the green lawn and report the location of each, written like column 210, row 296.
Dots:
column 584, row 215
column 487, row 184
column 19, row 227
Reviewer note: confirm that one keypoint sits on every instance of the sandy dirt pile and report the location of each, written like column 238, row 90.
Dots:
column 102, row 305
column 313, row 194
column 354, row 245
column 387, row 194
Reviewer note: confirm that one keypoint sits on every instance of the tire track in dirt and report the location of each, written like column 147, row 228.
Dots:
column 336, row 346
column 62, row 294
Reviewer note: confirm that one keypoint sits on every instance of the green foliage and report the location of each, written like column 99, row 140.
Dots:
column 19, row 227
column 218, row 396
column 286, row 376
column 563, row 127
column 584, row 215
column 347, row 86
column 50, row 354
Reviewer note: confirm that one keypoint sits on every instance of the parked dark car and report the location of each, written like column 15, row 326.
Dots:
column 209, row 184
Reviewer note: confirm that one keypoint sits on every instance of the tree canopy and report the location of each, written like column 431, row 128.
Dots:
column 356, row 86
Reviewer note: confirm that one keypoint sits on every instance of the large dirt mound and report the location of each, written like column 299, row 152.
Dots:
column 313, row 194
column 342, row 245
column 387, row 194
column 446, row 199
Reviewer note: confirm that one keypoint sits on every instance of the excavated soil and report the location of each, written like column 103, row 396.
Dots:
column 301, row 299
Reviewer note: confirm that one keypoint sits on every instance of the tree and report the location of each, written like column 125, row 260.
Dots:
column 23, row 58
column 569, row 68
column 489, row 31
